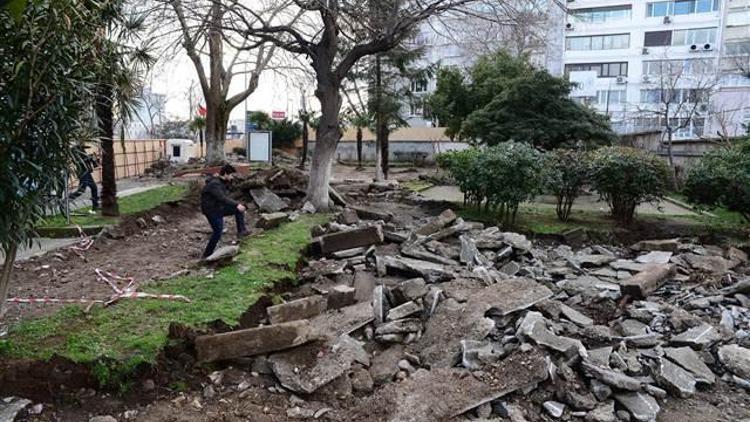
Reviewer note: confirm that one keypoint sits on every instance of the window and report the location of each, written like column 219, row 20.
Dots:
column 419, row 85
column 603, row 70
column 694, row 36
column 611, row 97
column 737, row 48
column 678, row 67
column 681, row 7
column 674, row 96
column 657, row 38
column 175, row 151
column 598, row 42
column 601, row 14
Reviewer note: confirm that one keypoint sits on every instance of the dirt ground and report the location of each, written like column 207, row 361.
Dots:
column 162, row 249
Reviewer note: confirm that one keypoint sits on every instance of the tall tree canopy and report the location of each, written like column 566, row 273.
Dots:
column 504, row 98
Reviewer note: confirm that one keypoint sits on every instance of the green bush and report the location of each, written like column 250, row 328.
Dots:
column 498, row 178
column 722, row 179
column 240, row 151
column 626, row 177
column 565, row 173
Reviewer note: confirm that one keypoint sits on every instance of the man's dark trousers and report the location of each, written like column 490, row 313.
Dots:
column 86, row 180
column 217, row 225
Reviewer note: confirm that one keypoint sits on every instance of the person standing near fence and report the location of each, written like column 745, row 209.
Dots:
column 84, row 170
column 216, row 203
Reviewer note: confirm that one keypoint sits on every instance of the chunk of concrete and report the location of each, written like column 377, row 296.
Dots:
column 379, row 304
column 344, row 321
column 223, row 253
column 736, row 359
column 429, row 271
column 364, row 283
column 403, row 311
column 641, row 406
column 655, row 257
column 688, row 359
column 368, row 213
column 339, row 241
column 385, row 365
column 517, row 241
column 645, row 282
column 554, row 408
column 348, row 216
column 418, row 252
column 697, row 337
column 254, row 341
column 322, row 268
column 340, row 296
column 401, row 326
column 295, row 310
column 409, row 290
column 272, row 220
column 708, row 263
column 673, row 378
column 611, row 377
column 534, row 327
column 445, row 218
column 591, row 261
column 470, row 255
column 267, row 201
column 306, row 369
column 11, row 407
column 668, row 245
column 575, row 316
column 510, row 268
column 627, row 265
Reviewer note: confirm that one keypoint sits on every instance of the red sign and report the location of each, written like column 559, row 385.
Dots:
column 278, row 115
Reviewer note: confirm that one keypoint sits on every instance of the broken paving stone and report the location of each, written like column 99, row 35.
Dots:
column 297, row 412
column 385, row 364
column 254, row 341
column 632, row 327
column 349, row 253
column 604, row 412
column 223, row 253
column 579, row 401
column 409, row 290
column 267, row 201
column 575, row 316
column 348, row 216
column 688, row 359
column 341, row 296
column 589, row 261
column 668, row 245
column 418, row 252
column 511, row 268
column 673, row 378
column 611, row 377
column 736, row 359
column 555, row 409
column 295, row 310
column 445, row 218
column 476, row 354
column 272, row 220
column 645, row 282
column 697, row 337
column 322, row 268
column 361, row 380
column 517, row 241
column 429, row 271
column 655, row 257
column 404, row 310
column 344, row 321
column 379, row 304
column 444, row 393
column 10, row 407
column 641, row 406
column 600, row 390
column 710, row 264
column 307, row 368
column 600, row 356
column 534, row 327
column 401, row 326
column 364, row 283
column 368, row 213
column 470, row 255
column 343, row 240
column 627, row 265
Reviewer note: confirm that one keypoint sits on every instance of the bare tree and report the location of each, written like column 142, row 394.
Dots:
column 334, row 35
column 152, row 109
column 678, row 94
column 218, row 59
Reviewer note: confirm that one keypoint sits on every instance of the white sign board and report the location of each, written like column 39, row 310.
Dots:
column 584, row 83
column 259, row 146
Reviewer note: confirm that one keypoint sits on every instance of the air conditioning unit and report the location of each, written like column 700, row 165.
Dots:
column 646, row 79
column 568, row 26
column 708, row 47
column 644, row 51
column 693, row 48
column 667, row 20
column 621, row 80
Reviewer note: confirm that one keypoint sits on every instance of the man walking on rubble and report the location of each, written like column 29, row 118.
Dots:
column 216, row 203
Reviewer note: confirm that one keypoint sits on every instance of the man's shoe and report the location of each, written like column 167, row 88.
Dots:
column 243, row 234
column 92, row 212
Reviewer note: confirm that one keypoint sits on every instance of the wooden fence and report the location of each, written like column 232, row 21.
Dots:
column 132, row 158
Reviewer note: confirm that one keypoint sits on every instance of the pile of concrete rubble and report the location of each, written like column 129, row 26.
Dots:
column 453, row 318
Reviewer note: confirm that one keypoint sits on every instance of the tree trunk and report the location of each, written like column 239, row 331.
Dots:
column 326, row 140
column 305, row 141
column 383, row 148
column 359, row 147
column 216, row 130
column 675, row 182
column 200, row 137
column 379, row 160
column 216, row 115
column 106, row 133
column 10, row 258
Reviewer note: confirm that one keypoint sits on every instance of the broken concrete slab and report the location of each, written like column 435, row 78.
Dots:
column 697, row 337
column 592, row 261
column 254, row 341
column 736, row 359
column 385, row 364
column 429, row 271
column 445, row 218
column 403, row 311
column 668, row 245
column 11, row 406
column 517, row 241
column 267, row 201
column 688, row 359
column 294, row 310
column 710, row 264
column 339, row 241
column 344, row 321
column 408, row 290
column 611, row 377
column 575, row 316
column 673, row 378
column 401, row 326
column 223, row 253
column 379, row 304
column 645, row 282
column 444, row 393
column 364, row 283
column 476, row 354
column 417, row 252
column 642, row 406
column 307, row 368
column 654, row 257
column 470, row 255
column 322, row 268
column 340, row 296
column 272, row 220
column 368, row 213
column 348, row 216
column 600, row 356
column 627, row 265
column 534, row 327
column 510, row 295
column 349, row 253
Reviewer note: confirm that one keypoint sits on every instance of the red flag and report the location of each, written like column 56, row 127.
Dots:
column 201, row 110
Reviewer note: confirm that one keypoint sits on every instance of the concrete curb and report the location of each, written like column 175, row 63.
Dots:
column 67, row 231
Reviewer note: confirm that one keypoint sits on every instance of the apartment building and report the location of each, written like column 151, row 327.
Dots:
column 641, row 62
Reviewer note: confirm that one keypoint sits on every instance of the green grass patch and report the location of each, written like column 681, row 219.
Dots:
column 132, row 332
column 130, row 204
column 416, row 185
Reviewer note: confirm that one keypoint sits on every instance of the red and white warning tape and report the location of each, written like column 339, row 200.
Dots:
column 83, row 244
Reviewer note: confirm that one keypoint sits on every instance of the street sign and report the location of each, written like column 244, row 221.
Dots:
column 278, row 115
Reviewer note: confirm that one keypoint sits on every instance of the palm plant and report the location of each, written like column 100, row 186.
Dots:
column 198, row 124
column 359, row 121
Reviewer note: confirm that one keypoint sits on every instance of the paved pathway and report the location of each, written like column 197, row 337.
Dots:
column 585, row 202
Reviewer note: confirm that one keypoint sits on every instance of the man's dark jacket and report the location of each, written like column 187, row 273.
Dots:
column 215, row 197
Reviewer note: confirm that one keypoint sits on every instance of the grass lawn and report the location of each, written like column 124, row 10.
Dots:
column 132, row 332
column 130, row 204
column 416, row 185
